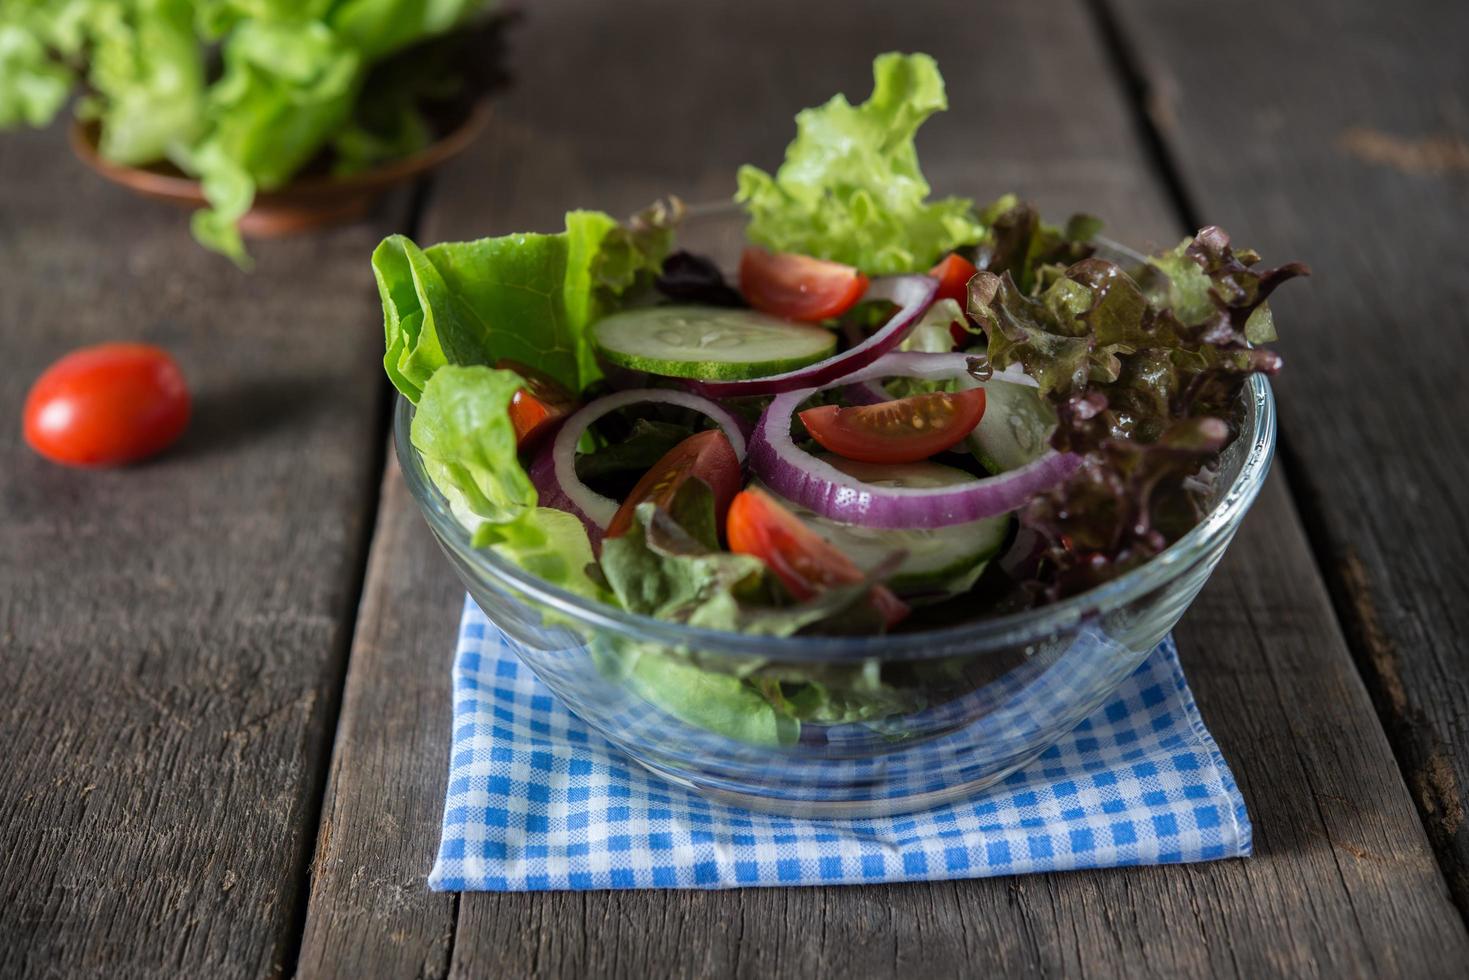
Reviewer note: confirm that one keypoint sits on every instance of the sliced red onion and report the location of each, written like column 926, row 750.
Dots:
column 803, row 479
column 542, row 473
column 912, row 294
column 560, row 480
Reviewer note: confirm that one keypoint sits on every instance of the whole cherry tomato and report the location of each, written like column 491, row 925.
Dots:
column 107, row 405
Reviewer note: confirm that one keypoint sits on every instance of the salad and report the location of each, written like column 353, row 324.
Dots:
column 898, row 412
column 246, row 94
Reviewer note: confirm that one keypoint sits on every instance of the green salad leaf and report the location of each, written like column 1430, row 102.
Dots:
column 718, row 702
column 1017, row 241
column 550, row 544
column 285, row 87
column 33, row 85
column 528, row 297
column 1144, row 369
column 630, row 457
column 293, row 79
column 668, row 565
column 463, row 433
column 147, row 78
column 850, row 188
column 931, row 334
column 462, row 429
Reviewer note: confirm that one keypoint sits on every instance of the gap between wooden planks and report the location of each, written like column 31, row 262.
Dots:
column 1343, row 881
column 173, row 635
column 1337, row 131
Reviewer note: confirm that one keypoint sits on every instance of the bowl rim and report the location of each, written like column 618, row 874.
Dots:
column 1019, row 628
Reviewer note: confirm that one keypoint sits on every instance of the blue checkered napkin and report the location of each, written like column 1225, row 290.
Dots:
column 537, row 801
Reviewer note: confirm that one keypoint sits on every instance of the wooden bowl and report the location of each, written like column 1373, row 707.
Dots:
column 309, row 201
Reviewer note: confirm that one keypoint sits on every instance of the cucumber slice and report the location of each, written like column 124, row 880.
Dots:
column 709, row 343
column 938, row 560
column 1015, row 429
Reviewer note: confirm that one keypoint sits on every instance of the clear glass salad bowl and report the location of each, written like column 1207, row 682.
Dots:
column 965, row 705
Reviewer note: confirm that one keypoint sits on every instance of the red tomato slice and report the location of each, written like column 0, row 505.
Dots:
column 799, row 287
column 804, row 561
column 901, row 431
column 536, row 409
column 953, row 274
column 706, row 455
column 107, row 405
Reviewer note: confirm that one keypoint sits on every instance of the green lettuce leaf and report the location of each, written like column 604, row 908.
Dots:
column 380, row 27
column 931, row 333
column 34, row 84
column 286, row 87
column 850, row 188
column 143, row 67
column 528, row 297
column 292, row 85
column 463, row 433
column 550, row 544
column 668, row 565
column 462, row 429
column 708, row 699
column 147, row 77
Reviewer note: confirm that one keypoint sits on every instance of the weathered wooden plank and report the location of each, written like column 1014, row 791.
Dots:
column 1342, row 884
column 1337, row 132
column 1270, row 669
column 369, row 911
column 172, row 636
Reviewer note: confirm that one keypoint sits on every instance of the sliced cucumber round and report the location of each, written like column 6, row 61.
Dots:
column 1015, row 428
column 709, row 343
column 936, row 560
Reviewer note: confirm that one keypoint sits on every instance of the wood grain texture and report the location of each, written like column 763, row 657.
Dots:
column 1337, row 131
column 370, row 912
column 1343, row 883
column 172, row 635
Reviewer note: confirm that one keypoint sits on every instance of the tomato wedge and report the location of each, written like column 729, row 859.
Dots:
column 706, row 455
column 953, row 274
column 536, row 409
column 904, row 430
column 805, row 562
column 799, row 287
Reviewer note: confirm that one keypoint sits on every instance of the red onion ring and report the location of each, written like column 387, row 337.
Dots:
column 913, row 294
column 821, row 487
column 554, row 471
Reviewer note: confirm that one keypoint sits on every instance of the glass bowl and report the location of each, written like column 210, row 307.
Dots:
column 951, row 711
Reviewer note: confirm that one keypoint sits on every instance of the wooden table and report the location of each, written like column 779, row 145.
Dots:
column 225, row 713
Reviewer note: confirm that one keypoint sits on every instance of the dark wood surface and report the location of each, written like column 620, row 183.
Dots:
column 176, row 635
column 1354, row 155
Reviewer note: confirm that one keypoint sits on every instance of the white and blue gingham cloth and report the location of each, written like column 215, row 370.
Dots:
column 537, row 801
